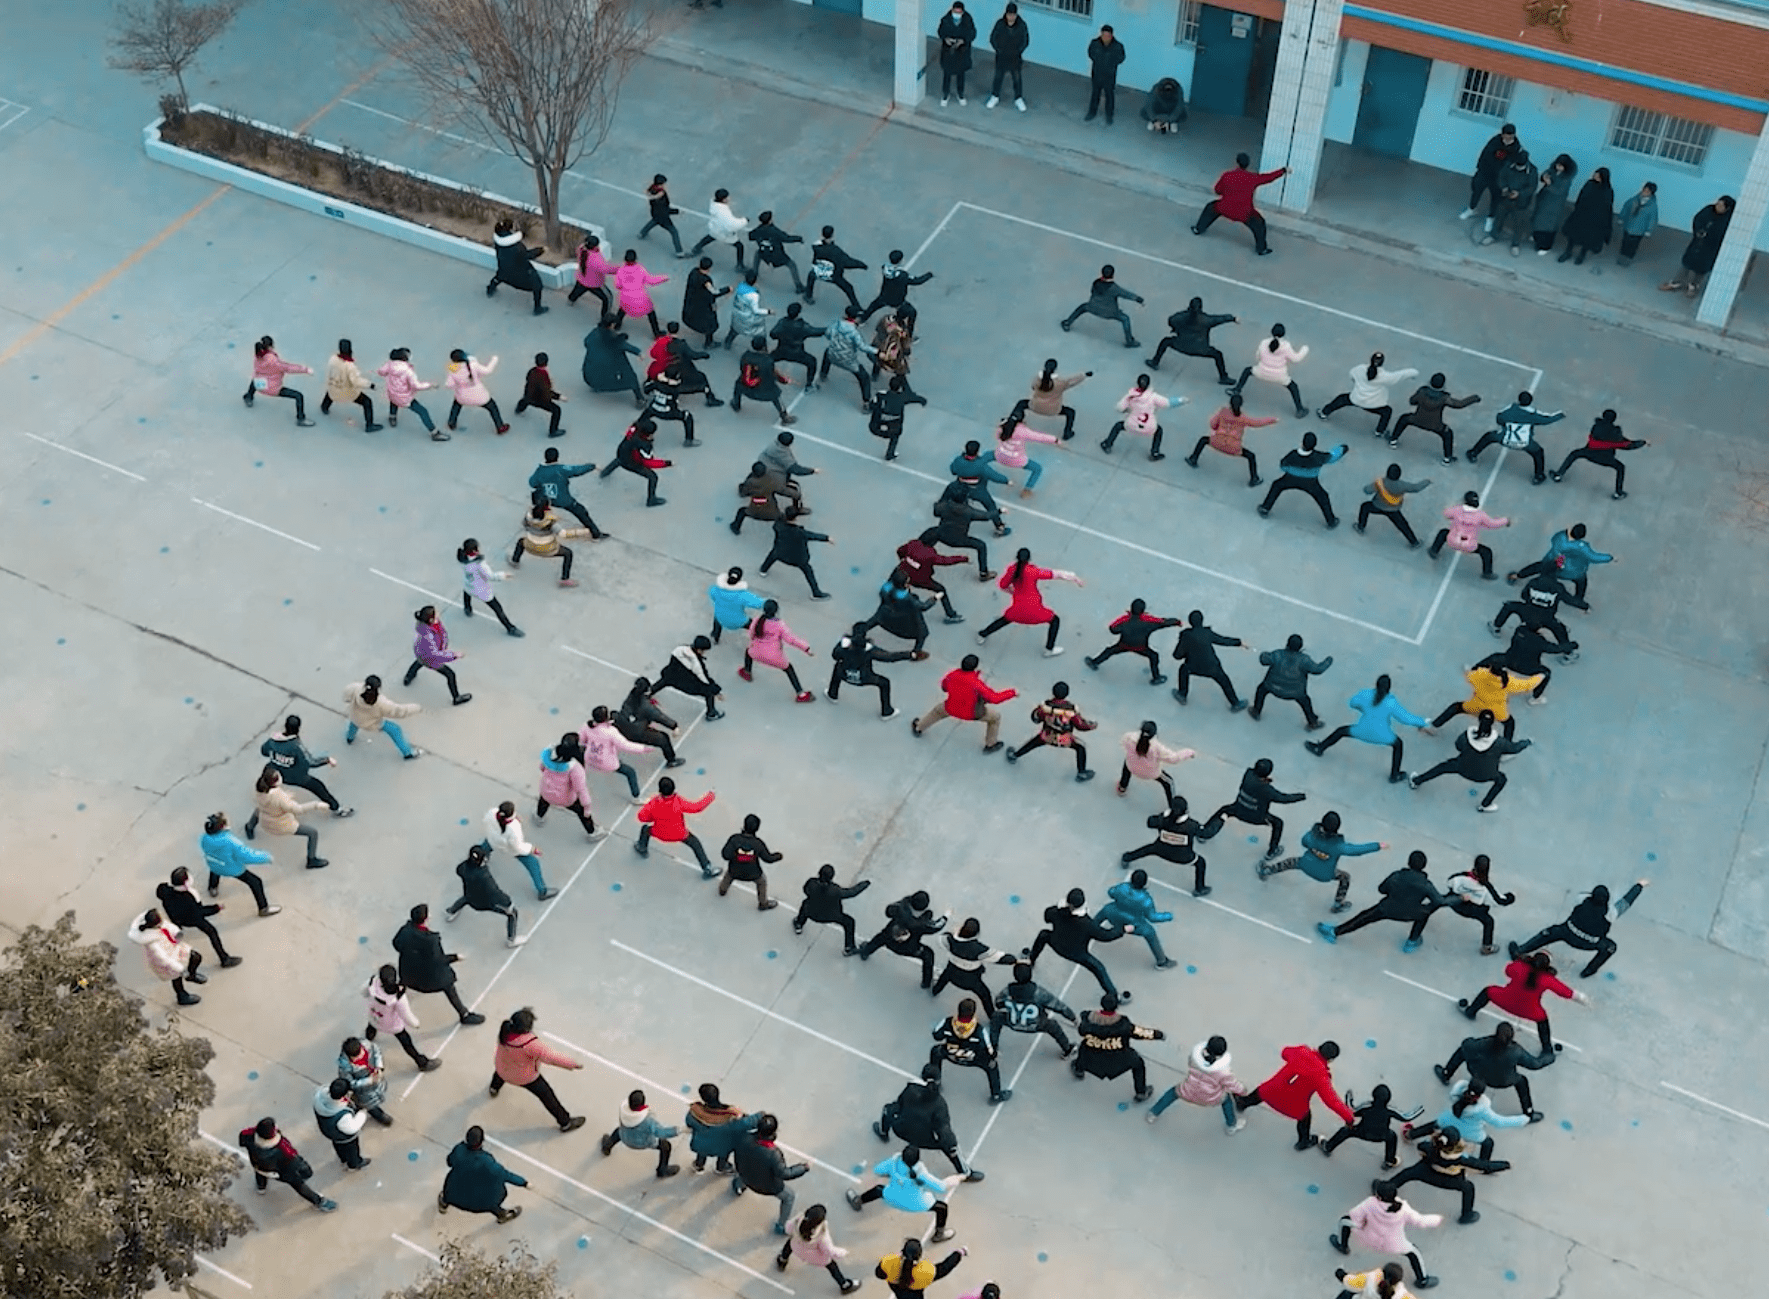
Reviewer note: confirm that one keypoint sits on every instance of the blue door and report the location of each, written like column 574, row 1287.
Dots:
column 1388, row 110
column 1236, row 55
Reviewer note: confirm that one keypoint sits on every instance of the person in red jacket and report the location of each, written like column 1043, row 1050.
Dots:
column 538, row 392
column 665, row 817
column 919, row 561
column 1234, row 199
column 1527, row 981
column 634, row 455
column 968, row 699
column 1307, row 1073
column 1605, row 439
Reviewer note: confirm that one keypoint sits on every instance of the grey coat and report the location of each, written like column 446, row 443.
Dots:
column 1287, row 671
column 1551, row 202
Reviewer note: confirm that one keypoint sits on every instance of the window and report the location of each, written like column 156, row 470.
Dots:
column 1075, row 8
column 1486, row 93
column 1640, row 130
column 1191, row 13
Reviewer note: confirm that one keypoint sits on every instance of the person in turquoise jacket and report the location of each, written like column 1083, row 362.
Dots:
column 1133, row 907
column 1322, row 847
column 1471, row 1113
column 1378, row 711
column 1569, row 558
column 910, row 1187
column 224, row 854
column 732, row 601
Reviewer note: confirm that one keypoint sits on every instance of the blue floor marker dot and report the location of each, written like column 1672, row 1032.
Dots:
column 1610, row 975
column 46, row 500
column 855, row 570
column 141, row 419
column 1370, row 1043
column 700, row 771
column 583, row 1242
column 686, row 1089
column 1191, row 969
column 463, row 819
column 1473, row 792
column 165, row 550
column 61, row 640
column 1013, row 899
column 1566, row 1125
column 615, row 887
column 859, row 835
column 641, row 608
column 252, row 1075
column 363, row 941
column 115, row 316
column 859, row 1169
column 383, row 509
column 1510, row 1275
column 287, row 603
column 230, row 347
column 257, row 464
column 1313, row 1189
column 35, row 377
column 553, row 711
column 1635, row 1123
column 189, row 700
column 1252, row 838
column 773, row 955
column 1651, row 856
column 1043, row 1257
column 1122, row 1106
column 411, row 1156
column 312, row 277
column 79, row 807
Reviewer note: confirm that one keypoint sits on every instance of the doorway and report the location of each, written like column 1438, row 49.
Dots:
column 1388, row 108
column 1237, row 55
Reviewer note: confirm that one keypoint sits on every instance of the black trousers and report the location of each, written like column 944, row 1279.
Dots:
column 296, row 397
column 668, row 224
column 1367, row 510
column 1491, row 438
column 1485, row 552
column 643, row 471
column 1390, row 1141
column 563, row 553
column 968, row 542
column 1103, row 92
column 1562, row 933
column 1254, row 222
column 917, row 951
column 297, row 1184
column 989, row 1068
column 837, row 681
column 1509, row 725
column 533, row 286
column 860, row 377
column 1453, row 765
column 900, row 305
column 1216, row 673
column 543, row 1091
column 1370, row 915
column 1262, row 692
column 1052, row 628
column 1596, row 456
column 250, row 880
column 494, row 604
column 491, row 409
column 1480, row 1002
column 1153, row 659
column 1233, row 812
column 1422, row 1172
column 840, row 281
column 1161, row 850
column 1445, row 434
column 1086, row 959
column 971, row 981
column 1382, row 413
column 1291, row 387
column 551, row 407
column 1039, row 742
column 1290, row 483
column 704, row 240
column 844, row 920
column 1003, row 70
column 404, row 1038
column 1521, row 1086
column 601, row 295
column 583, row 813
column 362, row 399
column 1395, row 750
column 576, row 510
column 1214, row 354
column 773, row 558
column 312, row 784
column 1304, row 1125
column 1474, row 911
column 1483, row 186
column 946, row 81
column 208, row 928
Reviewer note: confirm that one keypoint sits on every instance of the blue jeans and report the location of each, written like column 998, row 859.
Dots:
column 393, row 733
column 786, row 1201
column 1172, row 1094
column 1148, row 935
column 417, row 408
column 626, row 769
column 1034, row 470
column 530, row 863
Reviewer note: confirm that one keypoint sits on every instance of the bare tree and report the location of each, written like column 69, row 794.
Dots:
column 469, row 1273
column 162, row 38
column 538, row 79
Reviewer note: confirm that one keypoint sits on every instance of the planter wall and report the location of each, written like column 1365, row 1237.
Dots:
column 307, row 200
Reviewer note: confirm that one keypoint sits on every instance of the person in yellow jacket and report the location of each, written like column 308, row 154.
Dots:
column 542, row 535
column 1378, row 1283
column 907, row 1274
column 345, row 383
column 1490, row 688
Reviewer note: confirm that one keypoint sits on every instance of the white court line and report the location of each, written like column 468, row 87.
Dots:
column 1263, row 924
column 5, row 105
column 938, row 231
column 1244, row 284
column 254, row 523
column 1724, row 1109
column 664, row 1089
column 399, row 581
column 217, row 1269
column 541, row 919
column 486, row 148
column 229, row 1146
column 604, row 662
column 416, row 1248
column 105, row 464
column 763, row 1010
column 1139, row 548
column 1487, row 1010
column 644, row 1218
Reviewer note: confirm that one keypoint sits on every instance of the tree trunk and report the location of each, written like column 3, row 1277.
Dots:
column 547, row 181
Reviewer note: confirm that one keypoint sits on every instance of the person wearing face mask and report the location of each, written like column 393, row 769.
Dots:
column 1009, row 39
column 957, row 33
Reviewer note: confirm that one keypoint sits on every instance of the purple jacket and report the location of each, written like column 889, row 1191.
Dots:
column 431, row 646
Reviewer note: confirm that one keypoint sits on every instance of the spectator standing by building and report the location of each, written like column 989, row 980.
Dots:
column 957, row 32
column 1707, row 233
column 1592, row 223
column 1104, row 55
column 1494, row 155
column 1639, row 220
column 1009, row 38
column 1516, row 185
column 1552, row 199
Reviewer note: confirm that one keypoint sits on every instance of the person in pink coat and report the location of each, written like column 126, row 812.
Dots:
column 1009, row 452
column 1379, row 1224
column 268, row 370
column 1145, row 757
column 768, row 638
column 466, row 380
column 1142, row 407
column 603, row 744
column 809, row 1241
column 403, row 387
column 518, row 1060
column 632, row 282
column 565, row 784
column 1026, row 604
column 1272, row 363
column 1467, row 521
column 1227, row 427
column 593, row 271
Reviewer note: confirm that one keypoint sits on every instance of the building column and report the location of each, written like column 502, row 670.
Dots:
column 1295, row 123
column 1741, row 238
column 908, row 87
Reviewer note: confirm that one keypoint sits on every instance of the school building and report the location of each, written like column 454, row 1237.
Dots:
column 1672, row 91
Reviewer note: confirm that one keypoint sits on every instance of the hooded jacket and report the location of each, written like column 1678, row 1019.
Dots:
column 1287, row 671
column 1382, row 1231
column 338, row 1120
column 403, row 384
column 640, row 1130
column 1132, row 906
column 290, row 755
column 1257, row 794
column 1409, row 894
column 1024, row 1007
column 1208, row 1081
column 1009, row 41
column 476, row 1182
column 824, row 898
column 167, row 955
column 921, row 1115
column 562, row 784
column 1321, row 853
column 515, row 262
column 1306, row 1074
column 1308, row 464
column 716, row 1132
column 1477, row 757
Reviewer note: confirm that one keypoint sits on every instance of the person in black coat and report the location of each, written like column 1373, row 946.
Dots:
column 1478, row 753
column 792, row 548
column 634, row 455
column 1188, row 332
column 790, row 335
column 1374, row 1121
column 823, row 905
column 1196, row 652
column 700, row 299
column 606, row 368
column 643, row 722
column 1133, row 629
column 758, row 380
column 1104, row 54
column 1495, row 154
column 657, row 197
column 770, row 241
column 853, row 659
column 1009, row 38
column 908, row 923
column 1707, row 233
column 830, row 261
column 957, row 512
column 921, row 1117
column 181, row 905
column 1070, row 932
column 956, row 33
column 1592, row 222
column 425, row 967
column 686, row 671
column 894, row 284
column 1176, row 833
column 903, row 613
column 1497, row 1062
column 888, row 407
column 745, row 853
column 515, row 264
column 1407, row 895
column 480, row 890
column 760, row 1167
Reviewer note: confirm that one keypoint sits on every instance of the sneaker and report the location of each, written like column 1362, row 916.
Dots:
column 229, row 962
column 546, row 895
column 1167, row 964
column 568, row 581
column 472, row 1019
column 1487, row 807
column 429, row 1065
column 517, row 632
column 1013, row 755
column 1336, row 1243
column 303, row 423
column 803, row 697
column 266, row 912
column 327, row 1206
column 944, row 102
column 572, row 1124
column 991, row 101
column 1309, row 1144
column 1203, row 892
column 1238, row 1125
column 1412, row 945
column 962, row 101
column 1470, row 1218
column 745, row 674
column 509, row 1215
column 1020, row 104
column 887, row 716
column 503, row 429
column 853, row 1198
column 1327, row 931
column 1002, row 1096
column 189, row 999
column 458, row 700
column 669, row 1170
column 954, row 619
column 943, row 1235
column 987, row 748
column 1053, row 651
column 343, row 812
column 318, row 863
column 1082, row 777
column 1465, row 214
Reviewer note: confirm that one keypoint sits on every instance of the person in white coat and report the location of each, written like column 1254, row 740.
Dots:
column 503, row 829
column 477, row 575
column 1271, row 363
column 723, row 227
column 390, row 1011
column 1142, row 407
column 168, row 956
column 1380, row 1225
column 1370, row 390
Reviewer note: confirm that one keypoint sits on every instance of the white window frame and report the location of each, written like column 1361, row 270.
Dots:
column 1191, row 17
column 1660, row 136
column 1082, row 9
column 1493, row 105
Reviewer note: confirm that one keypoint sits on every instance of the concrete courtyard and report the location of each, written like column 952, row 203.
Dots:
column 182, row 573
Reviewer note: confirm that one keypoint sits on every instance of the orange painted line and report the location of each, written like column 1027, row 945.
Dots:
column 36, row 333
column 846, row 162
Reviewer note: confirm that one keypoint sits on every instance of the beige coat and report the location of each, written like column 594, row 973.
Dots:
column 542, row 536
column 368, row 717
column 344, row 382
column 1051, row 403
column 279, row 811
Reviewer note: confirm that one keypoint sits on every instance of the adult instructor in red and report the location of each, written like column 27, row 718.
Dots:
column 1234, row 199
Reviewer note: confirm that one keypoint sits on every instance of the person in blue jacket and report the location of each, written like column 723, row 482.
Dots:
column 553, row 480
column 226, row 855
column 1133, row 906
column 976, row 471
column 909, row 1186
column 732, row 602
column 1302, row 473
column 1471, row 1113
column 639, row 1129
column 1569, row 559
column 1379, row 710
column 1322, row 847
